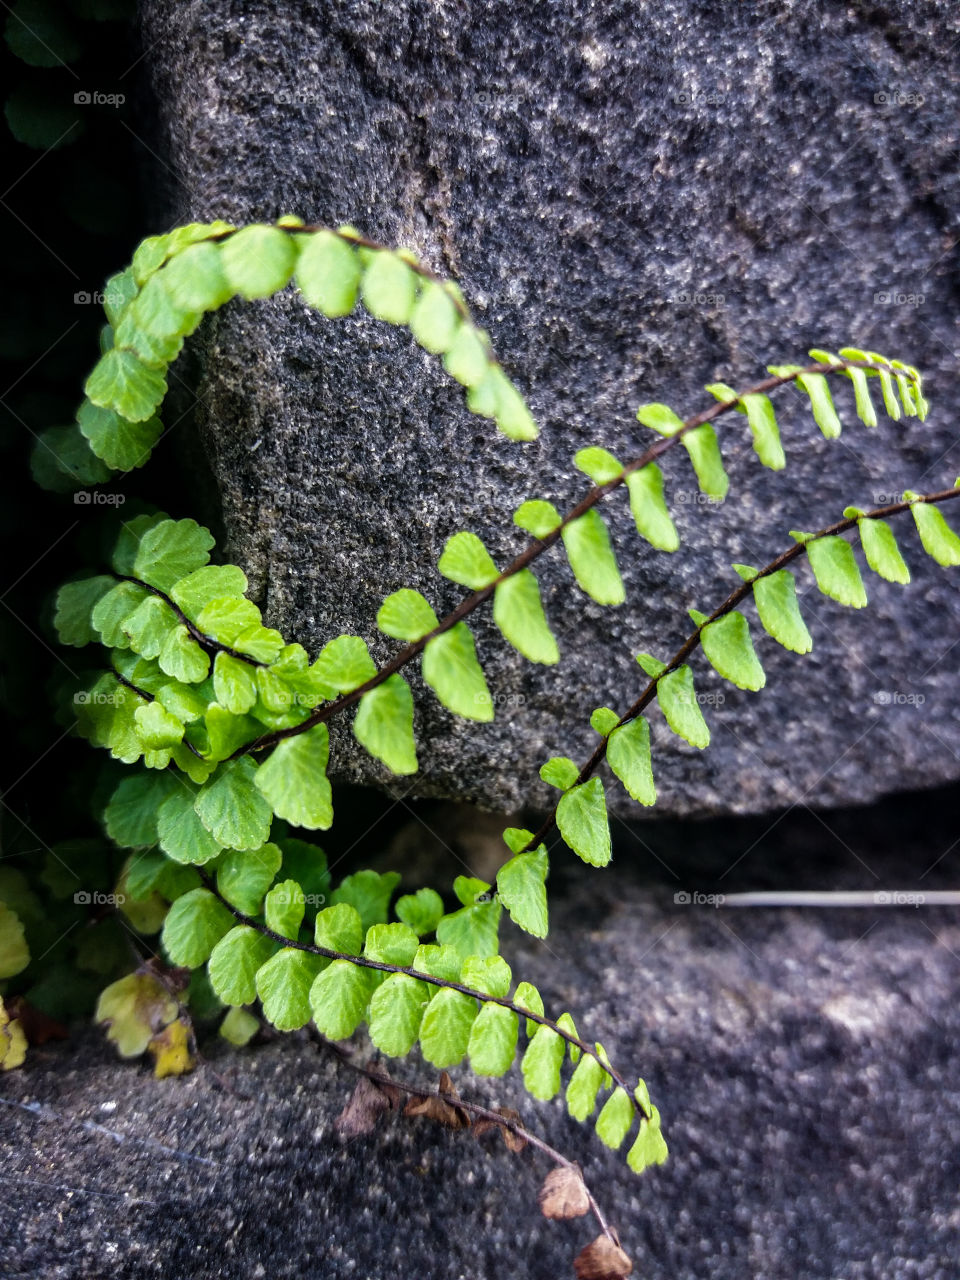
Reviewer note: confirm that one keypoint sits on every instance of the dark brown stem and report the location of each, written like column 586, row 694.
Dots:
column 731, row 602
column 202, row 639
column 381, row 966
column 474, row 1108
column 530, row 553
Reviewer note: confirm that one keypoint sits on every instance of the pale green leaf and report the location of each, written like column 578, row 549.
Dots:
column 383, row 725
column 339, row 998
column 406, row 615
column 284, row 986
column 258, row 261
column 465, row 560
column 582, row 821
column 628, row 754
column 518, row 612
column 234, row 963
column 422, row 910
column 541, row 1064
column 537, row 517
column 615, row 1119
column 521, row 886
column 181, row 833
column 446, row 1026
column 122, row 382
column 328, row 273
column 369, row 892
column 493, row 1041
column 701, row 445
column 881, row 551
column 649, row 510
column 293, row 779
column 396, row 1012
column 678, row 702
column 451, row 669
column 193, row 926
column 729, row 650
column 592, row 559
column 244, row 877
column 75, row 605
column 232, row 808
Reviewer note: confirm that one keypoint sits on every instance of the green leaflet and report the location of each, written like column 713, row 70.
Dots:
column 649, row 1148
column 615, row 1119
column 518, row 613
column 521, row 886
column 396, row 1012
column 451, row 669
column 156, row 727
column 62, row 460
column 170, row 550
column 835, row 569
column 339, row 928
column 493, row 1041
column 383, row 725
column 701, row 445
column 939, row 540
column 489, row 974
column 861, row 390
column 244, row 878
column 112, row 610
column 369, row 892
column 195, row 280
column 232, row 808
column 729, row 650
column 541, row 1064
column 537, row 517
column 422, row 910
column 466, row 561
column 821, row 402
column 284, row 985
column 434, row 320
column 406, row 615
column 445, row 1030
column 131, row 815
column 123, row 445
column 678, row 702
column 528, row 997
column 234, row 683
column 604, row 720
column 467, row 359
column 513, row 417
column 649, row 510
column 122, row 382
column 598, row 464
column 473, row 930
column 14, row 952
column 283, row 909
column 881, row 550
column 328, row 273
column 148, row 627
column 182, row 658
column 344, row 664
column 293, row 779
column 258, row 261
column 592, row 559
column 234, row 963
column 766, row 434
column 181, row 833
column 776, row 599
column 660, row 417
column 193, row 926
column 389, row 287
column 239, row 1027
column 391, row 944
column 560, row 771
column 628, row 754
column 585, row 1083
column 582, row 821
column 193, row 592
column 339, row 998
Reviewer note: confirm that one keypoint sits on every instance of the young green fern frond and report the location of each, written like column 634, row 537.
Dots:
column 724, row 636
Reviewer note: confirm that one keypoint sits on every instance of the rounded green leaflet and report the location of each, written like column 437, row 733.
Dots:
column 445, row 1029
column 338, row 999
column 235, row 961
column 649, row 510
column 389, row 287
column 193, row 926
column 232, row 808
column 678, row 702
column 406, row 615
column 328, row 273
column 729, row 650
column 258, row 261
column 518, row 612
column 465, row 560
column 493, row 1041
column 582, row 821
column 181, row 833
column 293, row 779
column 396, row 1012
column 451, row 669
column 628, row 754
column 283, row 985
column 122, row 382
column 592, row 558
column 383, row 725
column 434, row 320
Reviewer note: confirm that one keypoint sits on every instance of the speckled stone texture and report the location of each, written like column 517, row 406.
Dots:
column 637, row 199
column 804, row 1062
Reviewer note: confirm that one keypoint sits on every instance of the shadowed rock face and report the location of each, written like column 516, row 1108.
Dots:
column 637, row 199
column 804, row 1062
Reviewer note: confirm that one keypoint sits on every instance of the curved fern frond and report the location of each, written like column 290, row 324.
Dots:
column 724, row 636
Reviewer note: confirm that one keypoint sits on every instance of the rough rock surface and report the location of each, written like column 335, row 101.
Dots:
column 637, row 199
column 804, row 1062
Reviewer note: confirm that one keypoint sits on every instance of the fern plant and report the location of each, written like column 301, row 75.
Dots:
column 222, row 721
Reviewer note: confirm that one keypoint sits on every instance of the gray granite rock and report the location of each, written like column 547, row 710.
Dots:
column 637, row 199
column 804, row 1062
